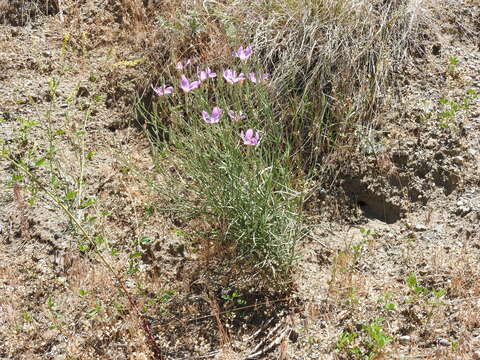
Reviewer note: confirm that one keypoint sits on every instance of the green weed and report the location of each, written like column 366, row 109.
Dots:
column 366, row 343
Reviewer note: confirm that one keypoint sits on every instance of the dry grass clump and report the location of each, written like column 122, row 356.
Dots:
column 343, row 49
column 330, row 60
column 20, row 12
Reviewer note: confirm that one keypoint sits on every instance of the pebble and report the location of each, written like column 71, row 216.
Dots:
column 431, row 144
column 443, row 342
column 476, row 355
column 404, row 339
column 463, row 210
column 458, row 160
column 420, row 227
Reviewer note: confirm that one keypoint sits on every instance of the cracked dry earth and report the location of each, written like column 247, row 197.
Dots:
column 405, row 248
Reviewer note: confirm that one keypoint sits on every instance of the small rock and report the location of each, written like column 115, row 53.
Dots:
column 473, row 216
column 431, row 144
column 463, row 210
column 443, row 342
column 458, row 160
column 472, row 151
column 420, row 227
column 404, row 339
column 476, row 355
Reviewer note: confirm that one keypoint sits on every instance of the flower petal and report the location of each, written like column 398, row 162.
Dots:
column 216, row 112
column 205, row 116
column 194, row 84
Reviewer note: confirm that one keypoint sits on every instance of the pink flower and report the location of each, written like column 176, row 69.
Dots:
column 214, row 118
column 243, row 54
column 187, row 85
column 207, row 73
column 236, row 116
column 163, row 90
column 231, row 76
column 253, row 77
column 182, row 65
column 249, row 139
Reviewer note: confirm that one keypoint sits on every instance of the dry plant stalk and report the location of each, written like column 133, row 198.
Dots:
column 223, row 336
column 22, row 209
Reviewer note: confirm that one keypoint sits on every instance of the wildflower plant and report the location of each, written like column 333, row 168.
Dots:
column 162, row 90
column 231, row 76
column 187, row 86
column 243, row 54
column 238, row 166
column 249, row 138
column 214, row 117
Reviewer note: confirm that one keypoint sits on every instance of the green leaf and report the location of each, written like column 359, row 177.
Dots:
column 145, row 240
column 453, row 60
column 411, row 280
column 40, row 162
column 389, row 306
column 86, row 203
column 99, row 240
column 83, row 247
column 70, row 195
column 50, row 302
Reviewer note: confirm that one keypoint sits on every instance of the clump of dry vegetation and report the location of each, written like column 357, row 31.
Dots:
column 21, row 12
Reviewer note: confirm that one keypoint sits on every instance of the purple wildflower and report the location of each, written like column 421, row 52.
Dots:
column 214, row 118
column 163, row 90
column 243, row 54
column 187, row 85
column 253, row 77
column 248, row 137
column 207, row 73
column 231, row 76
column 236, row 116
column 182, row 65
